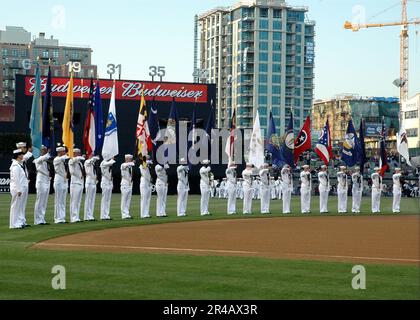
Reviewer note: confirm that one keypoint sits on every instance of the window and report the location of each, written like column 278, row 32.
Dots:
column 276, row 89
column 276, row 101
column 412, row 133
column 264, row 46
column 24, row 53
column 297, row 103
column 264, row 24
column 263, row 67
column 298, row 38
column 262, row 99
column 4, row 52
column 277, row 14
column 263, row 56
column 55, row 54
column 276, row 78
column 297, row 92
column 264, row 12
column 262, row 89
column 45, row 53
column 412, row 114
column 276, row 46
column 277, row 36
column 263, row 35
column 263, row 78
column 15, row 52
column 298, row 28
column 276, row 67
column 277, row 25
column 276, row 57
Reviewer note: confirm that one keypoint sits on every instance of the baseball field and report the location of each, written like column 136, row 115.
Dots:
column 216, row 257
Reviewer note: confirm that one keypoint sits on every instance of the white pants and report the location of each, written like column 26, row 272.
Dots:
column 22, row 217
column 342, row 201
column 90, row 201
column 42, row 193
column 126, row 194
column 16, row 207
column 323, row 200
column 76, row 193
column 106, row 201
column 396, row 200
column 265, row 200
column 146, row 195
column 60, row 189
column 162, row 193
column 305, row 200
column 248, row 192
column 287, row 196
column 205, row 197
column 182, row 201
column 376, row 201
column 231, row 203
column 357, row 200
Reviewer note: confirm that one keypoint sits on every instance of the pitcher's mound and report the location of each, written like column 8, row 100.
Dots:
column 374, row 239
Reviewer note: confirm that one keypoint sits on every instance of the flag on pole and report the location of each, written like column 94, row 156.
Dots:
column 35, row 122
column 153, row 123
column 256, row 147
column 68, row 129
column 89, row 138
column 229, row 149
column 286, row 149
column 110, row 146
column 362, row 148
column 99, row 122
column 351, row 146
column 383, row 161
column 273, row 143
column 402, row 144
column 324, row 147
column 143, row 139
column 303, row 140
column 194, row 127
column 172, row 129
column 211, row 123
column 48, row 138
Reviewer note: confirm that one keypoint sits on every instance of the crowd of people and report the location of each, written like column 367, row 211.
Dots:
column 81, row 173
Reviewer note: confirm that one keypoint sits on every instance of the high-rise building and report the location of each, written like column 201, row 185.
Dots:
column 260, row 54
column 19, row 52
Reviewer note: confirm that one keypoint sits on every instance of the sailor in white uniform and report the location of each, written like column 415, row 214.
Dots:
column 286, row 187
column 27, row 154
column 247, row 189
column 90, row 186
column 342, row 189
column 60, row 185
column 76, row 169
column 324, row 189
column 357, row 190
column 265, row 188
column 205, row 180
column 107, row 185
column 231, row 188
column 376, row 190
column 145, row 188
column 305, row 189
column 161, row 189
column 396, row 190
column 126, row 186
column 42, row 185
column 18, row 183
column 183, row 187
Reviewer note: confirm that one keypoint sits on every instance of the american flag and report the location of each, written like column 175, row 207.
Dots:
column 324, row 148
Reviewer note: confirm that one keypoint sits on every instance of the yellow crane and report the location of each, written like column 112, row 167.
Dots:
column 404, row 53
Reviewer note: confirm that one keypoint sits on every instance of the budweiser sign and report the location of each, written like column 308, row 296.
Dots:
column 125, row 90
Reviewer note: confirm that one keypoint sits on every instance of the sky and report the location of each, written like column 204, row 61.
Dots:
column 141, row 33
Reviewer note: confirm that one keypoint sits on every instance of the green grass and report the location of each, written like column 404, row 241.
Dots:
column 26, row 273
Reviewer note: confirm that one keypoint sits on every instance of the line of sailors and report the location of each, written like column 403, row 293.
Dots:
column 82, row 173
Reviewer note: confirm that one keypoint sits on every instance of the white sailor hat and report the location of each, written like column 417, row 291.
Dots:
column 357, row 168
column 17, row 152
column 128, row 156
column 249, row 164
column 286, row 166
column 77, row 150
column 305, row 166
column 43, row 147
column 265, row 164
column 343, row 167
column 206, row 162
column 397, row 169
column 324, row 166
column 21, row 145
column 182, row 160
column 377, row 169
column 60, row 149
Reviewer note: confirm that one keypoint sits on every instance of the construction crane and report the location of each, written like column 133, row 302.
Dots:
column 404, row 62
